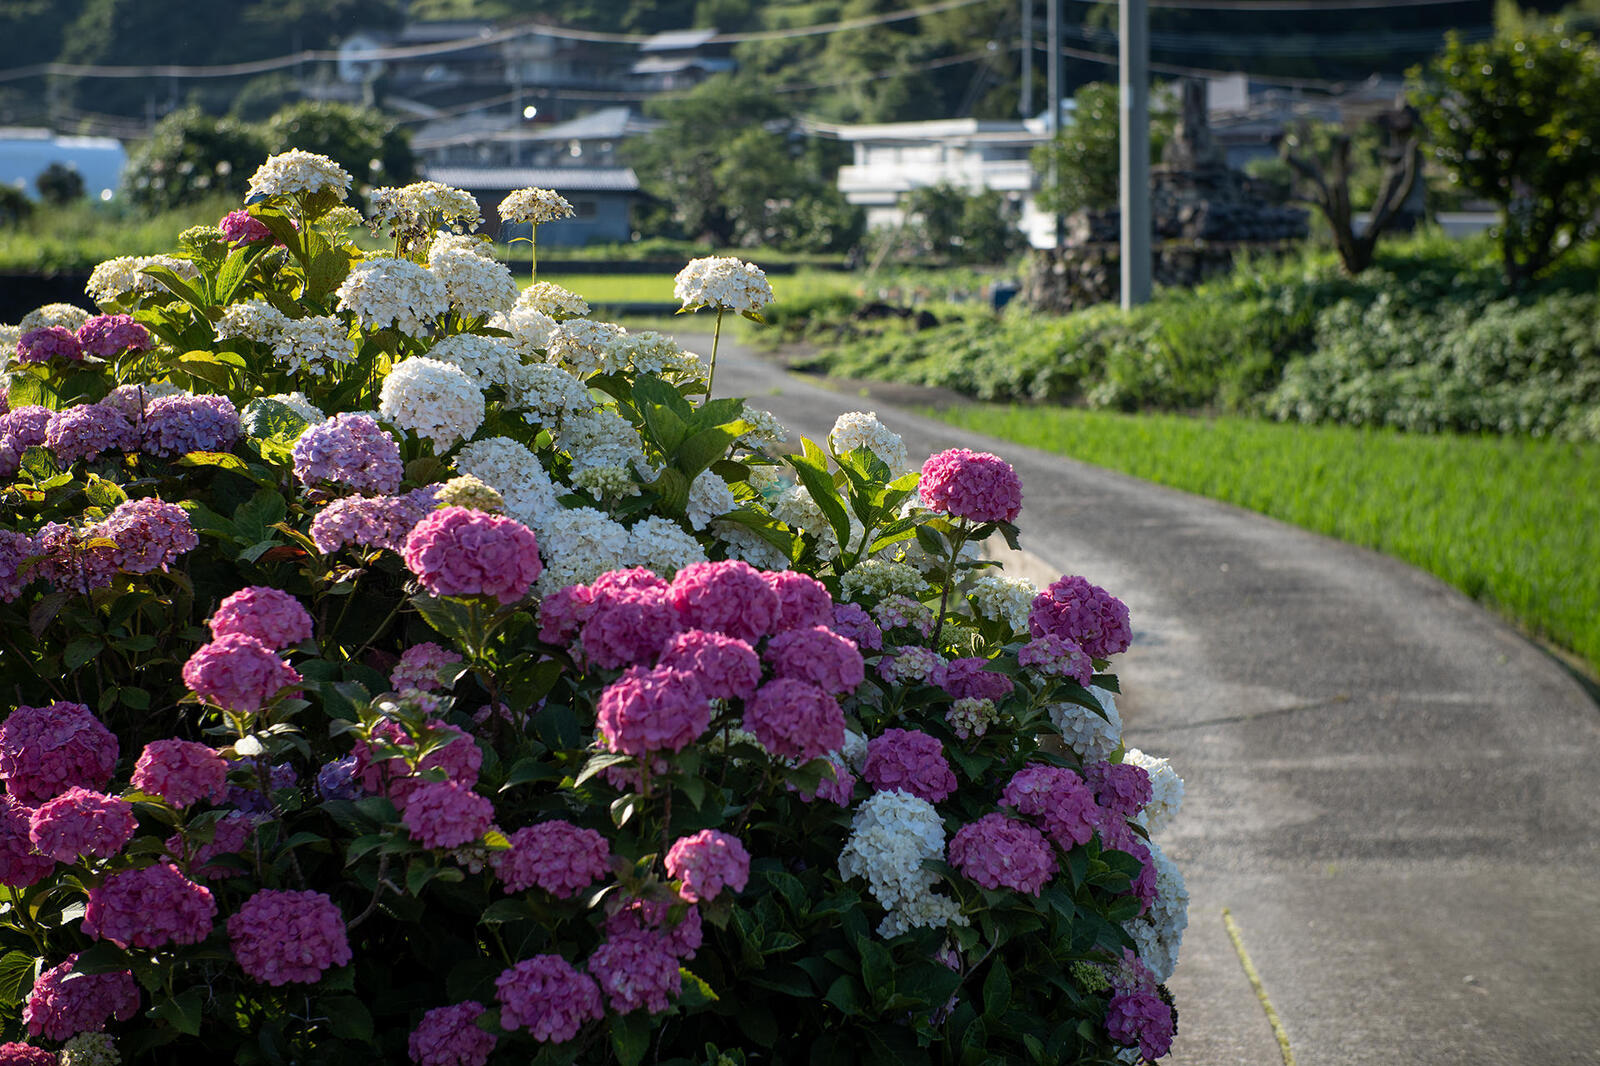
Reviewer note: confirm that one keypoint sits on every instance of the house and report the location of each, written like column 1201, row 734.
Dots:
column 679, row 59
column 601, row 197
column 502, row 140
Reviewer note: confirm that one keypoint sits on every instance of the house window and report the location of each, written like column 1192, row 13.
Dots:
column 583, row 208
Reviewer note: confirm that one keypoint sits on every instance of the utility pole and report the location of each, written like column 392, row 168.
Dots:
column 1053, row 76
column 1026, row 106
column 1133, row 75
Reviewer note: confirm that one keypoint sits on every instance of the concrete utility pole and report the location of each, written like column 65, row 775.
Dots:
column 1026, row 105
column 1133, row 76
column 1053, row 76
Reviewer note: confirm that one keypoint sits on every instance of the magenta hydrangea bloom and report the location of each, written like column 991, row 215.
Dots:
column 350, row 449
column 1088, row 615
column 803, row 601
column 707, row 862
column 230, row 835
column 628, row 627
column 419, row 667
column 646, row 711
column 636, row 970
column 449, row 1036
column 973, row 485
column 181, row 772
column 795, row 718
column 853, row 621
column 547, row 997
column 562, row 614
column 728, row 597
column 149, row 907
column 456, row 551
column 970, row 679
column 241, row 227
column 819, row 656
column 654, row 916
column 727, row 667
column 272, row 616
column 72, row 561
column 371, row 521
column 177, row 425
column 280, row 936
column 238, row 673
column 82, row 821
column 150, row 534
column 559, row 857
column 10, row 459
column 444, row 814
column 1053, row 656
column 1138, row 1017
column 629, row 578
column 21, row 864
column 910, row 760
column 456, row 753
column 47, row 343
column 108, row 336
column 997, row 852
column 16, row 1053
column 1058, row 798
column 26, row 426
column 1121, row 788
column 87, row 431
column 15, row 549
column 59, row 1009
column 46, row 750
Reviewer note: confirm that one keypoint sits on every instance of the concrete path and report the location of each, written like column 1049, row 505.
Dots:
column 1396, row 795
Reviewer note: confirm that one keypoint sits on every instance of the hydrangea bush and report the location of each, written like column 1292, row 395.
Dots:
column 403, row 669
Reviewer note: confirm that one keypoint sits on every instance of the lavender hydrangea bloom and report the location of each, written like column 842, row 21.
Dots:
column 352, row 450
column 177, row 425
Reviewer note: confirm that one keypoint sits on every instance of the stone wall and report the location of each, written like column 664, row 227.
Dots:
column 1091, row 273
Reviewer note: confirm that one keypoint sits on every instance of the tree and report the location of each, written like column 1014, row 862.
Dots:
column 367, row 144
column 1080, row 168
column 190, row 154
column 963, row 227
column 1514, row 120
column 59, row 184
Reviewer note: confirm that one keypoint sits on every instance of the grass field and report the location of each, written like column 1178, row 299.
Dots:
column 1514, row 523
column 603, row 289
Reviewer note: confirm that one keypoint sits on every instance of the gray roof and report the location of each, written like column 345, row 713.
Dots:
column 608, row 123
column 561, row 179
column 675, row 40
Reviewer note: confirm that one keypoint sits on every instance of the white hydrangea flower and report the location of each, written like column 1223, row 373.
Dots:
column 9, row 336
column 313, row 343
column 1158, row 933
column 551, row 299
column 709, row 496
column 547, row 391
column 601, row 437
column 297, row 171
column 795, row 508
column 854, row 750
column 386, row 292
column 124, row 274
column 486, row 360
column 1166, row 789
column 534, row 205
column 649, row 352
column 431, row 399
column 1092, row 737
column 765, row 479
column 516, row 473
column 606, row 482
column 530, row 331
column 660, row 544
column 583, row 347
column 928, row 910
column 67, row 316
column 880, row 578
column 426, row 204
column 861, row 429
column 742, row 542
column 722, row 282
column 578, row 545
column 339, row 221
column 467, row 491
column 891, row 835
column 251, row 320
column 476, row 285
column 1004, row 599
column 90, row 1049
column 766, row 428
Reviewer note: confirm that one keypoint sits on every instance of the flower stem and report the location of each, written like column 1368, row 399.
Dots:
column 533, row 252
column 716, row 338
column 949, row 579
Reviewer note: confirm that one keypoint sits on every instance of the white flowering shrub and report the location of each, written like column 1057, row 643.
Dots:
column 394, row 676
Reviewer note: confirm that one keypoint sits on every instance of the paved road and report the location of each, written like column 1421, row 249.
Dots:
column 1396, row 795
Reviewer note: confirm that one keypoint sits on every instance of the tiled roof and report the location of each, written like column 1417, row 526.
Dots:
column 561, row 179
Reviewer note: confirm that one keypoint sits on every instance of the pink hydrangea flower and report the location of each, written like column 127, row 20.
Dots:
column 1087, row 615
column 150, row 534
column 449, row 1036
column 149, row 907
column 819, row 656
column 547, row 997
column 58, row 1009
column 371, row 521
column 16, row 1053
column 15, row 548
column 108, row 336
column 1053, row 656
column 976, row 486
column 181, row 772
column 47, row 343
column 1121, row 788
column 654, row 916
column 87, row 431
column 26, row 426
column 272, row 616
column 707, row 862
column 350, row 449
column 80, row 822
column 456, row 551
column 1058, row 798
column 636, row 970
column 1137, row 1015
column 636, row 578
column 230, row 835
column 910, row 760
column 46, row 750
column 71, row 559
column 455, row 752
column 628, row 627
column 559, row 857
column 562, row 614
column 177, row 425
column 730, row 597
column 727, row 667
column 971, row 679
column 795, row 719
column 238, row 673
column 282, row 936
column 998, row 852
column 646, row 711
column 853, row 621
column 21, row 864
column 241, row 227
column 444, row 814
column 803, row 601
column 420, row 665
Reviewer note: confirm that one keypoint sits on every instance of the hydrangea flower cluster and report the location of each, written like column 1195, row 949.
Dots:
column 108, row 336
column 281, row 936
column 909, row 760
column 891, row 835
column 238, row 673
column 861, row 429
column 707, row 862
column 432, row 399
column 537, row 206
column 181, row 772
column 557, row 856
column 81, row 822
column 549, row 999
column 450, row 1036
column 176, row 425
column 548, row 298
column 149, row 907
column 722, row 282
column 997, row 852
column 47, row 343
column 976, row 486
column 371, row 521
column 272, row 616
column 59, row 1009
column 396, row 294
column 46, row 750
column 351, row 450
column 1089, row 616
column 458, row 552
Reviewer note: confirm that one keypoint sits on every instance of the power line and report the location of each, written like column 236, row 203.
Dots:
column 1286, row 5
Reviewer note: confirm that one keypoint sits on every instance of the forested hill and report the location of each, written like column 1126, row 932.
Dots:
column 965, row 60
